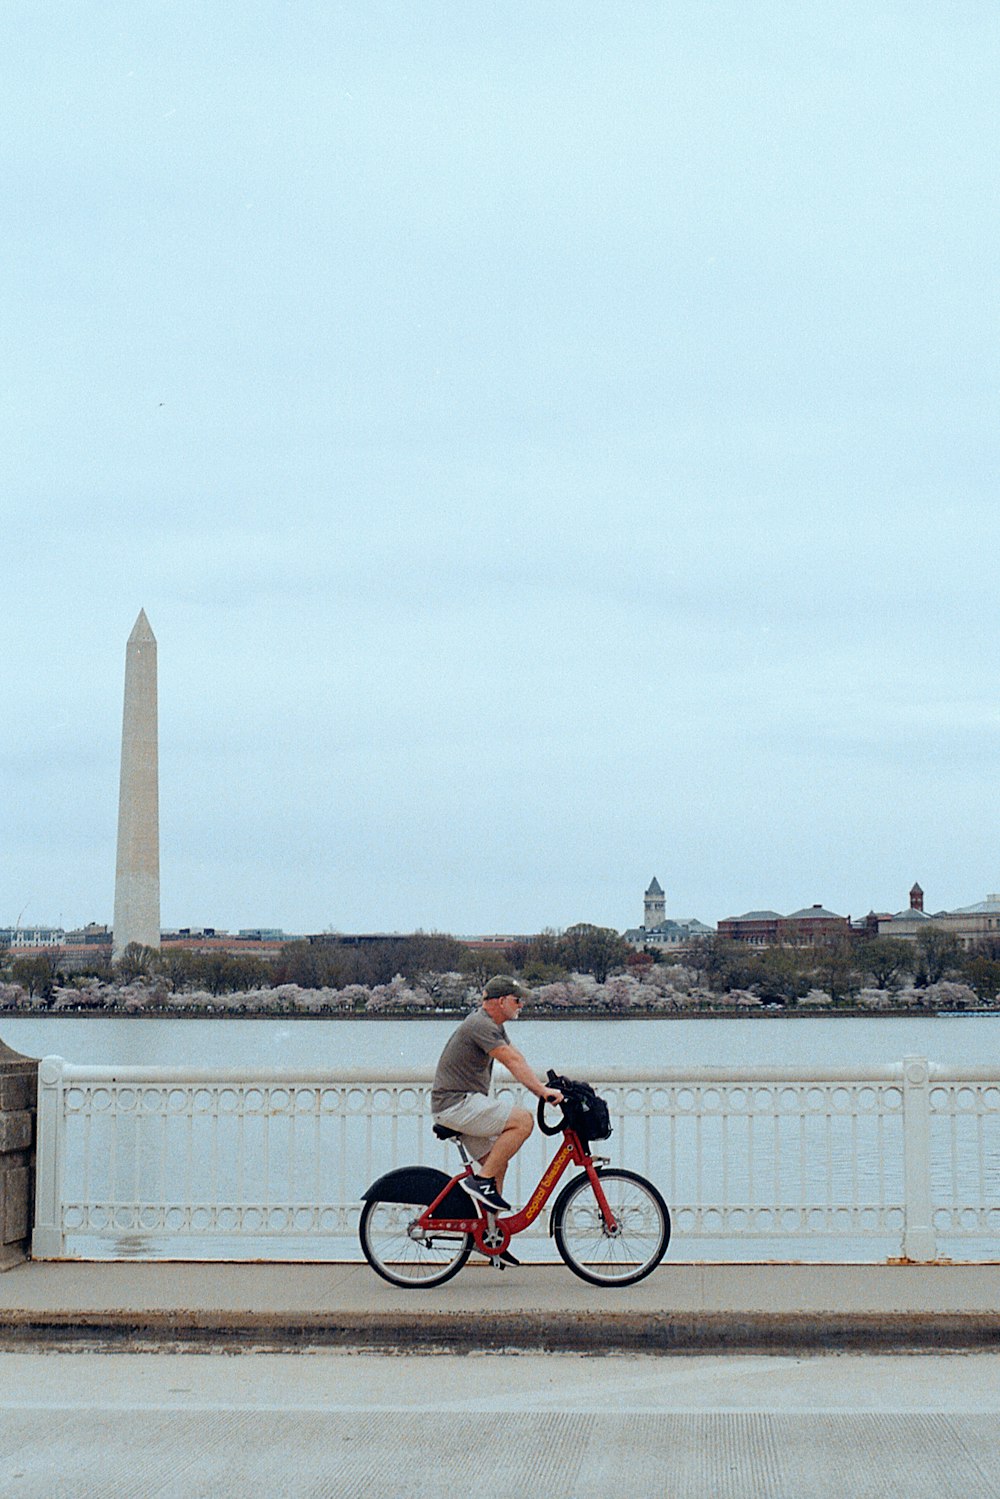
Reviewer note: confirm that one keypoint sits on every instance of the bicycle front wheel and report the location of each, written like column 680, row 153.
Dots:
column 618, row 1256
column 403, row 1260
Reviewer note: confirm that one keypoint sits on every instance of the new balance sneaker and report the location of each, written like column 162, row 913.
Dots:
column 484, row 1189
column 502, row 1260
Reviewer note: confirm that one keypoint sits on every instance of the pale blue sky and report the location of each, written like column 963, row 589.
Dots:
column 553, row 443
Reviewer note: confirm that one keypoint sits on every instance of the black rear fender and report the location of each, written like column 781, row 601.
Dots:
column 421, row 1184
column 408, row 1184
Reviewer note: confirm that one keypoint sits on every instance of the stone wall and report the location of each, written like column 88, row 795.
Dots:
column 18, row 1101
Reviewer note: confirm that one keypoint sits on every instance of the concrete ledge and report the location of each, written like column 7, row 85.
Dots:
column 595, row 1334
column 681, row 1308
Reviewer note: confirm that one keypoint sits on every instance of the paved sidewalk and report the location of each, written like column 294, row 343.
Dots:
column 679, row 1308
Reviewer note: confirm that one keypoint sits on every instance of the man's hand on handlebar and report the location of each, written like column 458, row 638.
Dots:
column 554, row 1097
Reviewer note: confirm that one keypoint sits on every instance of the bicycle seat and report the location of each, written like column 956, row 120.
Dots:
column 444, row 1133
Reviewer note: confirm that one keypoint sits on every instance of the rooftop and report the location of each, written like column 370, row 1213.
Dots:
column 814, row 913
column 988, row 907
column 757, row 916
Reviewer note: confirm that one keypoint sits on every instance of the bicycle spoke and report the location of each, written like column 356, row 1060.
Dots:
column 398, row 1257
column 629, row 1252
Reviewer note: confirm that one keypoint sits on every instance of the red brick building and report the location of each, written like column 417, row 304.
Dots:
column 805, row 928
column 758, row 928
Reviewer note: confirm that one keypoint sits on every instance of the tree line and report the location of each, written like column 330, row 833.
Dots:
column 333, row 962
column 842, row 967
column 775, row 975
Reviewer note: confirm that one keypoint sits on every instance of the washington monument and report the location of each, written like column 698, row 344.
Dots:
column 137, row 872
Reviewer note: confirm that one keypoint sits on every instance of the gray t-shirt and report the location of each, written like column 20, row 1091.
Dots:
column 465, row 1065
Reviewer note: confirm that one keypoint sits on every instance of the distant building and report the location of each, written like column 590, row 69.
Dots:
column 657, row 931
column 350, row 939
column 264, row 942
column 811, row 925
column 757, row 928
column 496, row 939
column 91, row 935
column 16, row 937
column 79, row 948
column 906, row 924
column 805, row 928
column 970, row 924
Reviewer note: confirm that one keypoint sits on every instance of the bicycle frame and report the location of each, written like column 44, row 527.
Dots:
column 502, row 1229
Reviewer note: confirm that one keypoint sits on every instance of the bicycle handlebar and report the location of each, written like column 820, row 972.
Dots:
column 549, row 1129
column 554, row 1081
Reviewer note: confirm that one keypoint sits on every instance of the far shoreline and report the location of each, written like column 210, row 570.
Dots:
column 771, row 1012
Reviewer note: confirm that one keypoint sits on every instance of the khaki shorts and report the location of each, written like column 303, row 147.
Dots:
column 479, row 1120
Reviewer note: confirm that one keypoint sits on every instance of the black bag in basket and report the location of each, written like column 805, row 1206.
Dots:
column 583, row 1110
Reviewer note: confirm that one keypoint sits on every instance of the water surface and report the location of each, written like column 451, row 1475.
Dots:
column 575, row 1047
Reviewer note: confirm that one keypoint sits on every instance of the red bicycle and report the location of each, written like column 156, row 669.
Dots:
column 611, row 1227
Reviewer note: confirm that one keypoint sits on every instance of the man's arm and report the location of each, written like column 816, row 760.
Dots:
column 518, row 1068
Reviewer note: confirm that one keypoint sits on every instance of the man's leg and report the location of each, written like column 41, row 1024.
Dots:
column 517, row 1129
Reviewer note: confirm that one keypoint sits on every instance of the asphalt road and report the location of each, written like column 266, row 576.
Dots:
column 94, row 1426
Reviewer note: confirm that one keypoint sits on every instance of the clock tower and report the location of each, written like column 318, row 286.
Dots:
column 654, row 905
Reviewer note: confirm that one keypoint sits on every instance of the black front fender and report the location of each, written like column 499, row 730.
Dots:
column 421, row 1184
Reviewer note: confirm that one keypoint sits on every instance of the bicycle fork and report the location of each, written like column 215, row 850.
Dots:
column 612, row 1227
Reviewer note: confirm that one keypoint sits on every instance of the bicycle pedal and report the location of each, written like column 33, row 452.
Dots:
column 505, row 1259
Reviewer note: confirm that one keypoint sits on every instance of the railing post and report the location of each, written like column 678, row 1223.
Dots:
column 918, row 1230
column 47, row 1239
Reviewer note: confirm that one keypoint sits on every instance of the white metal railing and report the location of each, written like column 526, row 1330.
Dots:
column 756, row 1163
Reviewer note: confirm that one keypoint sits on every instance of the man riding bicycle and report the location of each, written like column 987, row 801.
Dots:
column 609, row 1225
column 491, row 1130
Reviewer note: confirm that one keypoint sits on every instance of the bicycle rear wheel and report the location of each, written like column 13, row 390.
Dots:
column 402, row 1260
column 625, row 1254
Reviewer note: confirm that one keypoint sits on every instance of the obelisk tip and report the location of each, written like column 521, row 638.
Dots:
column 141, row 631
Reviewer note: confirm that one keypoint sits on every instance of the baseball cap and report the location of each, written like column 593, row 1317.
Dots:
column 502, row 985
